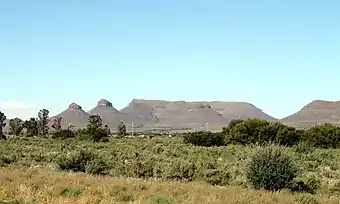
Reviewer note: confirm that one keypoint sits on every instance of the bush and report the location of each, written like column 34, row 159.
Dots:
column 5, row 160
column 96, row 166
column 260, row 131
column 217, row 177
column 311, row 186
column 204, row 138
column 82, row 161
column 271, row 169
column 93, row 134
column 323, row 136
column 63, row 134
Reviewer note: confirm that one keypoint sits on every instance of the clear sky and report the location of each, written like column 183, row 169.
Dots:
column 277, row 55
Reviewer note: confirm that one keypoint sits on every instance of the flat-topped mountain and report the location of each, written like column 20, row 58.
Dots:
column 318, row 111
column 195, row 115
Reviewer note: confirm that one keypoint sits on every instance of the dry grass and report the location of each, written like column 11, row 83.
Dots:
column 48, row 187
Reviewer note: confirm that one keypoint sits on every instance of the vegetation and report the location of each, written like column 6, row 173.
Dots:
column 248, row 153
column 258, row 131
column 57, row 124
column 2, row 125
column 94, row 131
column 46, row 187
column 323, row 136
column 204, row 138
column 15, row 126
column 82, row 161
column 42, row 122
column 63, row 134
column 31, row 127
column 270, row 168
column 121, row 129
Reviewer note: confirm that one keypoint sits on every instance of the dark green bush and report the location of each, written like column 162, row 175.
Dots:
column 204, row 138
column 82, row 161
column 271, row 169
column 63, row 134
column 323, row 136
column 96, row 166
column 311, row 186
column 94, row 134
column 180, row 170
column 260, row 131
column 5, row 160
column 76, row 162
column 217, row 177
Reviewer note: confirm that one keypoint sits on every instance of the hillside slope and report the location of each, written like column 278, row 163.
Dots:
column 239, row 110
column 194, row 115
column 318, row 111
column 111, row 116
column 74, row 115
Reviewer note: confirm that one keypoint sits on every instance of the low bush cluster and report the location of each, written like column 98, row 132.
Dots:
column 93, row 134
column 63, row 134
column 83, row 161
column 204, row 138
column 258, row 131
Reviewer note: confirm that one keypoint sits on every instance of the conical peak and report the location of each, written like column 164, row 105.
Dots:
column 104, row 102
column 75, row 106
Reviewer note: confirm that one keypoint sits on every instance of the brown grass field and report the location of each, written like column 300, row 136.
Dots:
column 48, row 187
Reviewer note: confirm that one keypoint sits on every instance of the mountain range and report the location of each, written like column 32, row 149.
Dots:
column 145, row 114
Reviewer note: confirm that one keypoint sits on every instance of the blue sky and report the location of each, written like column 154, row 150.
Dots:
column 278, row 55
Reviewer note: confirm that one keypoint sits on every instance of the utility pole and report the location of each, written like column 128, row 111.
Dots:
column 207, row 126
column 132, row 128
column 316, row 114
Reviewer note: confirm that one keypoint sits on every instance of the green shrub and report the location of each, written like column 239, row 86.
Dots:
column 82, row 161
column 260, row 131
column 96, row 166
column 302, row 148
column 335, row 188
column 94, row 134
column 180, row 170
column 63, row 134
column 76, row 162
column 323, row 136
column 311, row 186
column 5, row 160
column 217, row 177
column 270, row 168
column 204, row 138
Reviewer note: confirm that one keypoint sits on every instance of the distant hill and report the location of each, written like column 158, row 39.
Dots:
column 74, row 115
column 239, row 110
column 143, row 110
column 111, row 116
column 181, row 114
column 317, row 111
column 195, row 115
